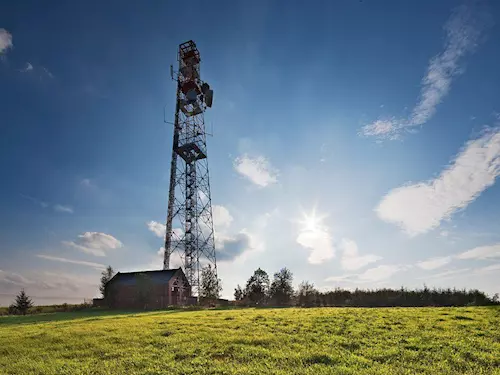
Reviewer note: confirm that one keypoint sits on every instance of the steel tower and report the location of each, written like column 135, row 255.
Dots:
column 189, row 228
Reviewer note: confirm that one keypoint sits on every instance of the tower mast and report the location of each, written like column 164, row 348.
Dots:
column 189, row 227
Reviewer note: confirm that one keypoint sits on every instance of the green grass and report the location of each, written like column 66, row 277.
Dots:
column 255, row 341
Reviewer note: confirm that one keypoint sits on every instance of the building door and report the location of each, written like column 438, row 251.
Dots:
column 175, row 295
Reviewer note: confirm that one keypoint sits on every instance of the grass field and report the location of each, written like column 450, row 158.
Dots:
column 255, row 341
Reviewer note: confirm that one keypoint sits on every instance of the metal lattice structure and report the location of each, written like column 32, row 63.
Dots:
column 189, row 228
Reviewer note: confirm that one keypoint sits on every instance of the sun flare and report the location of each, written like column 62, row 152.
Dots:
column 312, row 222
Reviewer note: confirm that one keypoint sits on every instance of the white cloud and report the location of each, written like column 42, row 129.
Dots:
column 178, row 232
column 221, row 216
column 61, row 208
column 380, row 273
column 444, row 233
column 94, row 243
column 319, row 242
column 203, row 197
column 463, row 30
column 481, row 252
column 433, row 263
column 97, row 266
column 351, row 260
column 160, row 230
column 258, row 170
column 176, row 259
column 5, row 40
column 421, row 207
column 157, row 228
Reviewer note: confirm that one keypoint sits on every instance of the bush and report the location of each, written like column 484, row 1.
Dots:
column 13, row 310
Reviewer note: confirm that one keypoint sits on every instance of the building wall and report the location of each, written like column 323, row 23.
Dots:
column 160, row 295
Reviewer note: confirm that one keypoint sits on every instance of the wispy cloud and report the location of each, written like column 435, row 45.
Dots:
column 256, row 169
column 61, row 208
column 477, row 253
column 340, row 278
column 12, row 278
column 47, row 72
column 433, row 263
column 48, row 287
column 36, row 201
column 43, row 204
column 487, row 269
column 371, row 275
column 97, row 266
column 351, row 260
column 384, row 129
column 5, row 40
column 445, row 274
column 380, row 273
column 27, row 68
column 421, row 207
column 88, row 183
column 481, row 252
column 463, row 30
column 94, row 243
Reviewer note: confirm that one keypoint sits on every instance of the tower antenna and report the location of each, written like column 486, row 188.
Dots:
column 189, row 227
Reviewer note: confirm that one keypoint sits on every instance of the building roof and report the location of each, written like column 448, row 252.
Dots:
column 157, row 277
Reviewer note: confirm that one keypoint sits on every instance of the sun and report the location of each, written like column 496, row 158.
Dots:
column 312, row 222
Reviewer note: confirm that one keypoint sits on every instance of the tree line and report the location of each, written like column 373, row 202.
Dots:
column 260, row 291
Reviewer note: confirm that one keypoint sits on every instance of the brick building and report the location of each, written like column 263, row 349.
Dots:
column 148, row 289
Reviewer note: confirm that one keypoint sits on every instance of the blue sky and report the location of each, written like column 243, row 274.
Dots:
column 355, row 142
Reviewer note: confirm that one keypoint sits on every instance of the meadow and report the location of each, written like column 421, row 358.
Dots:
column 464, row 340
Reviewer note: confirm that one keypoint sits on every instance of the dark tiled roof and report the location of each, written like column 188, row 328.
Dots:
column 157, row 277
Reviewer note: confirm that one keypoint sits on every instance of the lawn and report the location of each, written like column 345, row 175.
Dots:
column 256, row 341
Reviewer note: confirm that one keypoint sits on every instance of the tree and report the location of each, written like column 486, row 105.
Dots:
column 106, row 275
column 281, row 291
column 307, row 294
column 143, row 291
column 238, row 293
column 211, row 286
column 22, row 302
column 495, row 299
column 257, row 287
